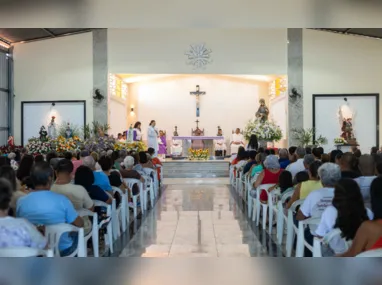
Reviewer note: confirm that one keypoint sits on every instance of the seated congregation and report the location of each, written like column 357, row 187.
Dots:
column 331, row 203
column 74, row 204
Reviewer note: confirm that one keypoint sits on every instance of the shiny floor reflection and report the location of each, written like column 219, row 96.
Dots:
column 195, row 220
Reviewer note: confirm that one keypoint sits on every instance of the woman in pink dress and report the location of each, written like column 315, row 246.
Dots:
column 162, row 145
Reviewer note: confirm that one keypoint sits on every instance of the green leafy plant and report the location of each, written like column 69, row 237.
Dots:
column 305, row 137
column 76, row 131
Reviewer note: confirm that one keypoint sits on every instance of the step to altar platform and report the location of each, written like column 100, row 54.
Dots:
column 195, row 168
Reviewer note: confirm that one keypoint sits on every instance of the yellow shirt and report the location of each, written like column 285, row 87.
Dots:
column 309, row 186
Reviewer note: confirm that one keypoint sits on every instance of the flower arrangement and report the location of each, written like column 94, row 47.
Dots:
column 265, row 131
column 99, row 144
column 76, row 131
column 38, row 146
column 62, row 144
column 5, row 149
column 136, row 146
column 340, row 141
column 198, row 154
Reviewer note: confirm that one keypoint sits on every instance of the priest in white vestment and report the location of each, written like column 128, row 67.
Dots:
column 152, row 137
column 236, row 141
column 220, row 145
column 176, row 146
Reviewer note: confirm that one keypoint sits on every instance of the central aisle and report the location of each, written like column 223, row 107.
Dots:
column 195, row 218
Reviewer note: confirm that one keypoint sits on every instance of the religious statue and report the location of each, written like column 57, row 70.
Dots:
column 11, row 141
column 130, row 134
column 346, row 116
column 263, row 111
column 347, row 129
column 43, row 134
column 68, row 132
column 52, row 130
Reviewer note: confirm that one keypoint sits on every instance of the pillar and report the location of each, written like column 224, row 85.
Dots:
column 100, row 75
column 295, row 81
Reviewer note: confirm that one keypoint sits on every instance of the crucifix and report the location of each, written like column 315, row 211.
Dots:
column 197, row 124
column 197, row 93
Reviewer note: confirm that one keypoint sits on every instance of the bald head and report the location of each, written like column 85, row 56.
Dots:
column 366, row 165
column 89, row 162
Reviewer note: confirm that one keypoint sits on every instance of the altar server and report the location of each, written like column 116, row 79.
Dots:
column 152, row 137
column 176, row 146
column 236, row 141
column 220, row 146
column 137, row 133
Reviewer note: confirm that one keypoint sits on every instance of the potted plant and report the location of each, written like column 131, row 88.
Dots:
column 305, row 137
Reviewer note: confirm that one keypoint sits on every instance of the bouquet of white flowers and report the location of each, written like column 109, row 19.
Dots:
column 37, row 146
column 265, row 131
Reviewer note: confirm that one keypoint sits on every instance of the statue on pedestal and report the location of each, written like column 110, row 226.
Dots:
column 263, row 111
column 52, row 130
column 68, row 132
column 11, row 141
column 346, row 116
column 43, row 134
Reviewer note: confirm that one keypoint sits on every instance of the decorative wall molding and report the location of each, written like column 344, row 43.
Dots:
column 198, row 56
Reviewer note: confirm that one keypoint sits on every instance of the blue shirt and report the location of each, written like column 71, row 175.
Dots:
column 101, row 180
column 284, row 162
column 48, row 208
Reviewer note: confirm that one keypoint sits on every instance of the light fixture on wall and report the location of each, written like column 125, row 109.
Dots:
column 132, row 110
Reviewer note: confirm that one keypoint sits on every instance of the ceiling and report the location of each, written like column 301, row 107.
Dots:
column 13, row 36
column 373, row 33
column 132, row 78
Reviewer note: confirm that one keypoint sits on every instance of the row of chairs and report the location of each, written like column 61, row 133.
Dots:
column 116, row 223
column 243, row 184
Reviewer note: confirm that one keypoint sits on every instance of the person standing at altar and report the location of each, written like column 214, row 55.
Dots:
column 137, row 132
column 152, row 137
column 162, row 145
column 236, row 141
column 220, row 146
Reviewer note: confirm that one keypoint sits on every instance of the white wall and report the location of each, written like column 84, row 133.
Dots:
column 228, row 103
column 117, row 116
column 55, row 69
column 234, row 51
column 339, row 64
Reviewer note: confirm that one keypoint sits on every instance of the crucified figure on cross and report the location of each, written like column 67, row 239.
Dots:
column 197, row 93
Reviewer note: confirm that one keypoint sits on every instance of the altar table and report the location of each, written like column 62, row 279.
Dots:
column 208, row 142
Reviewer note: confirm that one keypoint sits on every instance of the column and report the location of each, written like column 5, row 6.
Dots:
column 100, row 75
column 295, row 77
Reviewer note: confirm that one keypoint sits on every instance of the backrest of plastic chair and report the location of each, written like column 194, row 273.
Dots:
column 24, row 252
column 54, row 233
column 103, row 204
column 371, row 253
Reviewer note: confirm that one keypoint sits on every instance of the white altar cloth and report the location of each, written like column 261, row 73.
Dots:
column 209, row 142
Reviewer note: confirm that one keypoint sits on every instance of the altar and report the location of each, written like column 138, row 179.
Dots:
column 208, row 142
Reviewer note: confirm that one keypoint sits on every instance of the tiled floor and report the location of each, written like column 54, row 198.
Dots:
column 196, row 218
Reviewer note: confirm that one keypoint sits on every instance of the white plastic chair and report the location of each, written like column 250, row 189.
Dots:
column 94, row 232
column 130, row 182
column 54, row 233
column 122, row 210
column 154, row 178
column 273, row 198
column 281, row 217
column 258, row 205
column 317, row 242
column 109, row 228
column 371, row 253
column 250, row 199
column 301, row 242
column 291, row 228
column 25, row 252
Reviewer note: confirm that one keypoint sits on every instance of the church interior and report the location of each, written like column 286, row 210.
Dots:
column 188, row 142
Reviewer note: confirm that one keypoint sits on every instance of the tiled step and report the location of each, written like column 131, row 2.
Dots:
column 207, row 169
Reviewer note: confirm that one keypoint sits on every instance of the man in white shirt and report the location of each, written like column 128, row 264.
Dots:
column 366, row 166
column 237, row 141
column 317, row 201
column 297, row 166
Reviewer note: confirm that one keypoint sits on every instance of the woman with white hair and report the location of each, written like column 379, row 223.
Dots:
column 317, row 201
column 270, row 175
